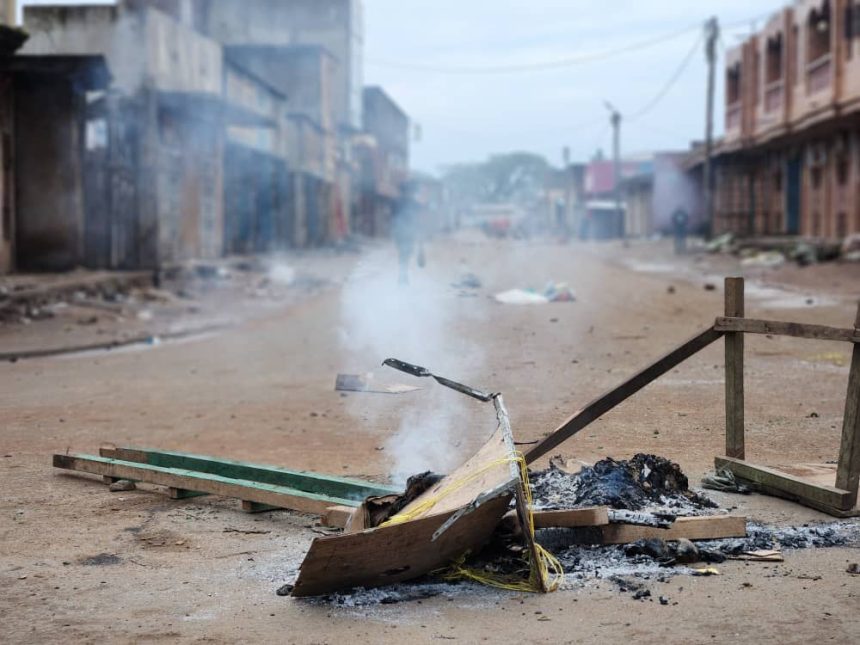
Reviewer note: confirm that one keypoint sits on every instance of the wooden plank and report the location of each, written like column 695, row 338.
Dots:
column 777, row 328
column 848, row 469
column 592, row 516
column 310, row 482
column 711, row 527
column 787, row 485
column 394, row 553
column 608, row 400
column 262, row 493
column 182, row 493
column 256, row 507
column 337, row 517
column 734, row 297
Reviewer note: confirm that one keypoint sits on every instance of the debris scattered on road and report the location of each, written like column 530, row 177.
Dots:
column 468, row 281
column 521, row 297
column 552, row 292
column 122, row 485
column 366, row 383
column 724, row 481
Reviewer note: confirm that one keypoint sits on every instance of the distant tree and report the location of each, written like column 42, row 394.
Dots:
column 514, row 177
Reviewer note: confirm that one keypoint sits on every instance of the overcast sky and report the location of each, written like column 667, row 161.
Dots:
column 467, row 116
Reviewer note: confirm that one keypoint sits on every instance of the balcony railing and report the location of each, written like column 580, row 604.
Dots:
column 733, row 116
column 818, row 74
column 773, row 96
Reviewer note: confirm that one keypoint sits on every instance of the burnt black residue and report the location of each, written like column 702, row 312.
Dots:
column 631, row 484
column 102, row 559
column 760, row 536
column 381, row 508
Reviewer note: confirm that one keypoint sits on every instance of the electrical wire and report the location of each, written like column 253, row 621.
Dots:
column 669, row 84
column 568, row 61
column 535, row 67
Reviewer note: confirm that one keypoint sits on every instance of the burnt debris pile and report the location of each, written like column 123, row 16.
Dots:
column 635, row 484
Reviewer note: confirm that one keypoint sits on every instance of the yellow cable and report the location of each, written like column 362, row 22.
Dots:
column 546, row 573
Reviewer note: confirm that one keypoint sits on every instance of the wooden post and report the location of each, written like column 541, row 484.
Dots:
column 734, row 288
column 848, row 471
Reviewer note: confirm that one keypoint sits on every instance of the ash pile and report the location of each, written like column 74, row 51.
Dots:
column 645, row 482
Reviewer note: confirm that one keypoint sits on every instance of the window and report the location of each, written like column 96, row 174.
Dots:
column 815, row 176
column 852, row 26
column 756, row 77
column 841, row 225
column 733, row 84
column 818, row 33
column 795, row 64
column 773, row 60
column 6, row 171
column 842, row 167
column 777, row 181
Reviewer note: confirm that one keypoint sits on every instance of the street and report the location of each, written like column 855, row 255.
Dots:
column 78, row 563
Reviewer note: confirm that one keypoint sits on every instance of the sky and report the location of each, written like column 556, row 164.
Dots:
column 434, row 58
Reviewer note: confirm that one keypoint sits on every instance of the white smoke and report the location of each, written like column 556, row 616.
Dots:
column 380, row 319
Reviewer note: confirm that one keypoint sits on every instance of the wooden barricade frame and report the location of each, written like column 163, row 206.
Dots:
column 839, row 500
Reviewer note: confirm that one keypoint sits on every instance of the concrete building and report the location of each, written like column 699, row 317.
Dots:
column 383, row 159
column 44, row 152
column 335, row 26
column 162, row 129
column 257, row 214
column 790, row 160
column 304, row 74
column 8, row 12
column 565, row 199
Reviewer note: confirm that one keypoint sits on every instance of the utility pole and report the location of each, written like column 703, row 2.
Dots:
column 615, row 121
column 712, row 33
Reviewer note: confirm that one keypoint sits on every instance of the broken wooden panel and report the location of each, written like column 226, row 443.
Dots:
column 456, row 515
column 394, row 553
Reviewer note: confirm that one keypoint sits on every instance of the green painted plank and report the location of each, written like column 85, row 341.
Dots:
column 252, row 491
column 309, row 482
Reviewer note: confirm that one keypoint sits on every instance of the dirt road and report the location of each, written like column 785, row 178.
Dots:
column 80, row 564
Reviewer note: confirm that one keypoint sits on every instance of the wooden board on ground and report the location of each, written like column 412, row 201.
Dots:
column 337, row 517
column 394, row 553
column 823, row 497
column 592, row 516
column 251, row 491
column 410, row 547
column 710, row 527
column 329, row 485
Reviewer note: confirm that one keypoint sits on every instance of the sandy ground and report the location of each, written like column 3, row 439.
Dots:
column 262, row 391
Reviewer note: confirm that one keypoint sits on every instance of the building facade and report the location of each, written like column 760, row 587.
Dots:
column 383, row 160
column 790, row 160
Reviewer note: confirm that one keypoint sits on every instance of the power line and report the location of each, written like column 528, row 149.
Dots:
column 669, row 84
column 533, row 67
column 568, row 61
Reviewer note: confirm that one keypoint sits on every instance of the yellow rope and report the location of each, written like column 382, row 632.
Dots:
column 546, row 573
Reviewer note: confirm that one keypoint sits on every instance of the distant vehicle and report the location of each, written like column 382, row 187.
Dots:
column 496, row 220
